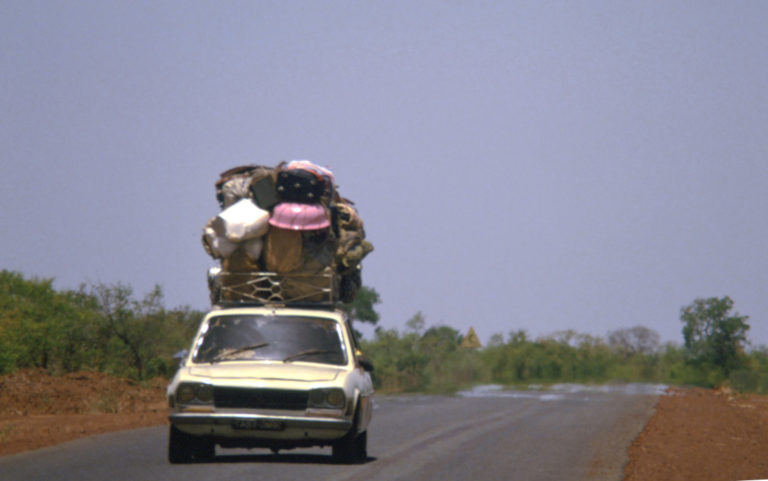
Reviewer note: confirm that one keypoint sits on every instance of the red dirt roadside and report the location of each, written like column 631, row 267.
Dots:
column 703, row 435
column 38, row 410
column 696, row 434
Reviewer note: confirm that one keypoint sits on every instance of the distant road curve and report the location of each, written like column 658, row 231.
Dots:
column 488, row 434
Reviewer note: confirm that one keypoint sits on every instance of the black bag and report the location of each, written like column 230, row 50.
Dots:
column 300, row 186
column 234, row 184
column 263, row 192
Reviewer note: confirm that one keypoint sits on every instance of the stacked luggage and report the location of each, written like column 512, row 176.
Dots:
column 284, row 235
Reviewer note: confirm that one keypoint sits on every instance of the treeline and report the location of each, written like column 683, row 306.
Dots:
column 432, row 359
column 106, row 328
column 98, row 327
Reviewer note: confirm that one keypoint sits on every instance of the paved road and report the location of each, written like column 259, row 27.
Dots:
column 484, row 435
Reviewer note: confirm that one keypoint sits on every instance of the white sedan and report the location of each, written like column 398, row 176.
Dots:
column 271, row 377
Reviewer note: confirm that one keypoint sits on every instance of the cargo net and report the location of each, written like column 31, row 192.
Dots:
column 271, row 288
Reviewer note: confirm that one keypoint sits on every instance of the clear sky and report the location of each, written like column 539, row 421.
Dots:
column 519, row 165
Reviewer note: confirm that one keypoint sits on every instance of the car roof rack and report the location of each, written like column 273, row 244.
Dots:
column 270, row 288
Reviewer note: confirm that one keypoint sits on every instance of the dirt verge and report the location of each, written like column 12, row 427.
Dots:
column 38, row 410
column 704, row 435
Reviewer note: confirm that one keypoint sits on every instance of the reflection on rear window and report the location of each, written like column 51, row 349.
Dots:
column 275, row 338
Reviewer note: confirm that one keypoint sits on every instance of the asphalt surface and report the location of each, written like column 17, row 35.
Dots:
column 488, row 434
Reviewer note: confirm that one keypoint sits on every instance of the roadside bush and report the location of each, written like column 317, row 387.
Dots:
column 7, row 357
column 749, row 381
column 102, row 328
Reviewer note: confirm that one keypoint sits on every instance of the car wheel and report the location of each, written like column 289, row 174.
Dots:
column 354, row 449
column 184, row 448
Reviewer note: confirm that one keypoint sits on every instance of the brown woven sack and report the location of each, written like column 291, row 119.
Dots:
column 282, row 250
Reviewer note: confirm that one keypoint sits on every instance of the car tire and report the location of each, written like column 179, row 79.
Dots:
column 185, row 448
column 353, row 449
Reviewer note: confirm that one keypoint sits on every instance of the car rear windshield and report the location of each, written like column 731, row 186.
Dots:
column 275, row 338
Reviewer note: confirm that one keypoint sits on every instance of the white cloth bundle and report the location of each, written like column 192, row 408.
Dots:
column 241, row 221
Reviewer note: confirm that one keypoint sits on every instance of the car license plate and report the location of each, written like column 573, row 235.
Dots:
column 258, row 424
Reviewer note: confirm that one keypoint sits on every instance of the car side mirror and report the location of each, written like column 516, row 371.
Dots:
column 365, row 364
column 180, row 357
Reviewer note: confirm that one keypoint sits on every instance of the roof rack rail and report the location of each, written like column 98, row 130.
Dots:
column 312, row 305
column 270, row 288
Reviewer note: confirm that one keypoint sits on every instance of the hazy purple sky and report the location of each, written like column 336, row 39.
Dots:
column 519, row 165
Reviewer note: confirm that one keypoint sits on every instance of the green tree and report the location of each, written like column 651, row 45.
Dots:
column 439, row 340
column 712, row 334
column 100, row 328
column 363, row 307
column 399, row 365
column 633, row 341
column 135, row 327
column 497, row 339
column 41, row 327
column 519, row 337
column 416, row 323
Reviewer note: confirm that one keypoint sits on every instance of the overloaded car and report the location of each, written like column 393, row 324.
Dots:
column 271, row 377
